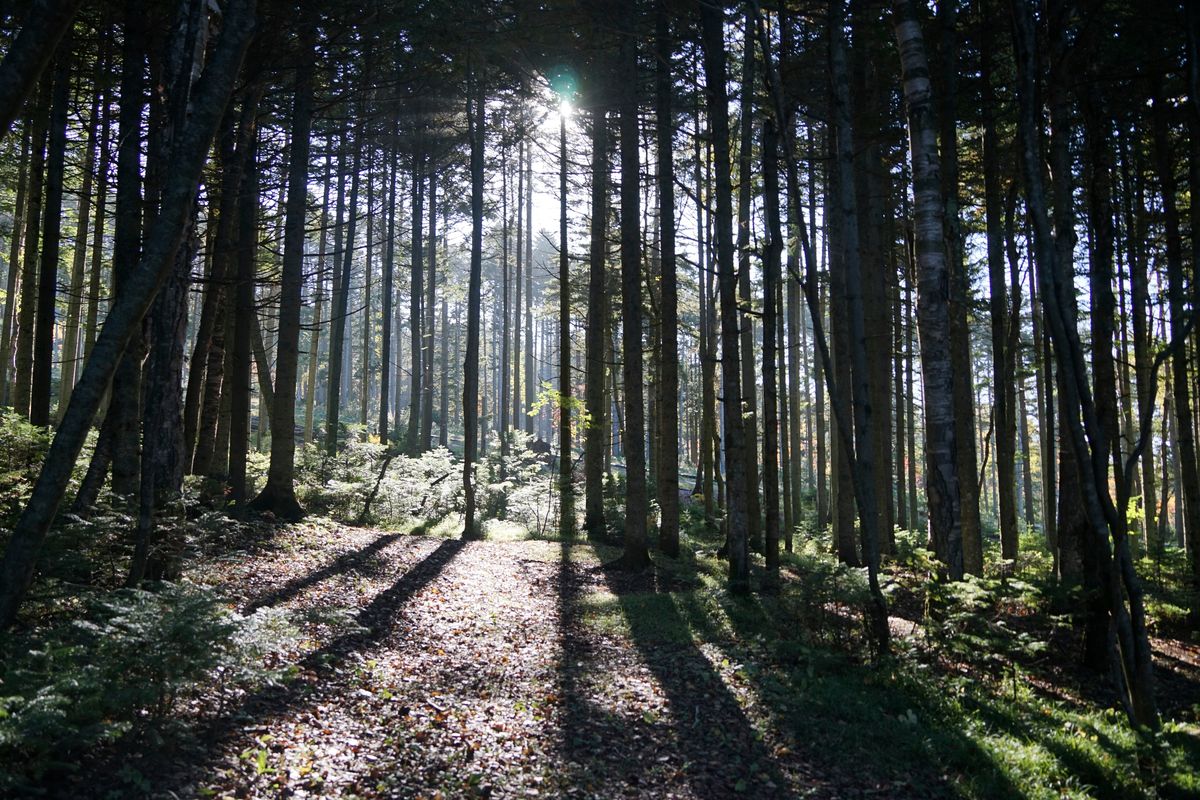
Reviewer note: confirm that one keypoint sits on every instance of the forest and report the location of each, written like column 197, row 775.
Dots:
column 599, row 398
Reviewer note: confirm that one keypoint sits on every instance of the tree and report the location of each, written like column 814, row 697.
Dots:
column 933, row 317
column 279, row 494
column 717, row 101
column 187, row 157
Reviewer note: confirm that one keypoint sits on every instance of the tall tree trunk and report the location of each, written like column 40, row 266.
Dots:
column 960, row 295
column 771, row 278
column 187, row 159
column 745, row 292
column 430, row 308
column 27, row 304
column 933, row 313
column 14, row 261
column 47, row 290
column 717, row 100
column 415, row 300
column 566, row 488
column 341, row 290
column 1119, row 583
column 245, row 318
column 1003, row 376
column 162, row 462
column 472, row 528
column 389, row 272
column 70, row 351
column 279, row 494
column 633, row 442
column 595, row 343
column 517, row 286
column 667, row 482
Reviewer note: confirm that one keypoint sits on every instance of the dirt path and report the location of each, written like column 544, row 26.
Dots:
column 437, row 668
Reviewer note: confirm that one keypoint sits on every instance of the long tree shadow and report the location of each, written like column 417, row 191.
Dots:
column 346, row 562
column 863, row 719
column 703, row 739
column 372, row 624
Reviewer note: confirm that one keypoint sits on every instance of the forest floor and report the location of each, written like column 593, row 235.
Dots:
column 422, row 666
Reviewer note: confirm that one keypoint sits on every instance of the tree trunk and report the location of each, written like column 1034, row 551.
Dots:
column 717, row 99
column 771, row 277
column 749, row 392
column 70, row 349
column 244, row 320
column 933, row 315
column 14, row 261
column 566, row 489
column 430, row 308
column 187, row 159
column 1003, row 374
column 341, row 290
column 596, row 398
column 45, row 23
column 667, row 482
column 1119, row 584
column 279, row 494
column 27, row 305
column 633, row 442
column 47, row 290
column 416, row 296
column 472, row 529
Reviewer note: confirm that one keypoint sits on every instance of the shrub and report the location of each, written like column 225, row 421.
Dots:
column 120, row 666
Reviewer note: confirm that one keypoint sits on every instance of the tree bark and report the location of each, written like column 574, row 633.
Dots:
column 933, row 315
column 595, row 397
column 187, row 158
column 279, row 494
column 45, row 23
column 667, row 482
column 717, row 100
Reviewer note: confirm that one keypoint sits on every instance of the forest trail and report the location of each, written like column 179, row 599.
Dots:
column 439, row 668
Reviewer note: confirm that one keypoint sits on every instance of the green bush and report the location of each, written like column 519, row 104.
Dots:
column 120, row 666
column 22, row 449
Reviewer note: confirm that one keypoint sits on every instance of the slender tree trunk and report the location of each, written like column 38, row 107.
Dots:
column 27, row 304
column 668, row 402
column 942, row 450
column 745, row 293
column 430, row 309
column 279, row 494
column 633, row 442
column 566, row 489
column 42, row 28
column 1003, row 377
column 389, row 272
column 717, row 97
column 517, row 286
column 244, row 320
column 187, row 158
column 70, row 351
column 47, row 290
column 960, row 295
column 475, row 126
column 771, row 278
column 341, row 290
column 416, row 296
column 14, row 260
column 596, row 398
